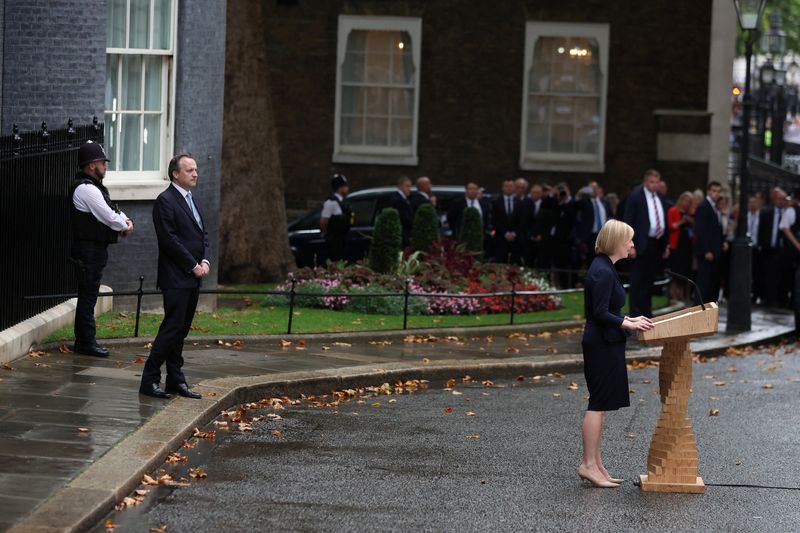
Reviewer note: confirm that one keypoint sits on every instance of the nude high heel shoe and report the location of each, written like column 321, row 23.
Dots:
column 604, row 483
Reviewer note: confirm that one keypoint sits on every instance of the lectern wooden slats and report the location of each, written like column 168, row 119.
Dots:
column 672, row 459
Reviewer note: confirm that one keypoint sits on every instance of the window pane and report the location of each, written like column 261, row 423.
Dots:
column 131, row 83
column 112, row 82
column 402, row 102
column 162, row 23
column 378, row 67
column 130, row 142
column 562, row 138
column 352, row 130
column 115, row 30
column 353, row 100
column 563, row 110
column 537, row 137
column 151, row 138
column 402, row 61
column 377, row 101
column 587, row 110
column 376, row 131
column 353, row 67
column 140, row 29
column 401, row 132
column 587, row 139
column 153, row 87
column 110, row 126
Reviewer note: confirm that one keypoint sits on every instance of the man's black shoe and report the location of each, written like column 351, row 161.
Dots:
column 154, row 390
column 184, row 390
column 90, row 349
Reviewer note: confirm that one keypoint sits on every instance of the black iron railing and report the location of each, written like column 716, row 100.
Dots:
column 514, row 297
column 36, row 172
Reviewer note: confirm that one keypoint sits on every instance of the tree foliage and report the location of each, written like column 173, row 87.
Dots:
column 387, row 241
column 425, row 229
column 470, row 236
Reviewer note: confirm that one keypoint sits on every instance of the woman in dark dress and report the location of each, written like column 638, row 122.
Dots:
column 604, row 345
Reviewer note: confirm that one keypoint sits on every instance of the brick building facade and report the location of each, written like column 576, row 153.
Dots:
column 57, row 60
column 471, row 77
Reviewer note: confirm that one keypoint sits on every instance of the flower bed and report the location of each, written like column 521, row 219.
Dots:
column 443, row 270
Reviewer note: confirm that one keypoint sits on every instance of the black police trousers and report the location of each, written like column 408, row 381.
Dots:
column 91, row 258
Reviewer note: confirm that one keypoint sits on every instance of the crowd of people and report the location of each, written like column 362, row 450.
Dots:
column 548, row 227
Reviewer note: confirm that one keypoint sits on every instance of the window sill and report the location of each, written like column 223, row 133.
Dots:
column 128, row 190
column 376, row 159
column 562, row 166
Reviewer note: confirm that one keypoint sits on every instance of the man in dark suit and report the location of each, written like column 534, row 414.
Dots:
column 507, row 223
column 400, row 201
column 646, row 214
column 423, row 194
column 471, row 199
column 770, row 243
column 709, row 243
column 537, row 226
column 183, row 260
column 593, row 212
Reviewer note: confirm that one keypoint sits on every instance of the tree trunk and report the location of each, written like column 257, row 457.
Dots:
column 254, row 246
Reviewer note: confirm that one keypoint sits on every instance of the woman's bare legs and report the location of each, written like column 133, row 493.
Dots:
column 592, row 466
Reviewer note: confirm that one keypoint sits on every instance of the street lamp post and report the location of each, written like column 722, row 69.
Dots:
column 739, row 305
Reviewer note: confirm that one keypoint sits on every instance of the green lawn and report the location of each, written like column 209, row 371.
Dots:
column 257, row 320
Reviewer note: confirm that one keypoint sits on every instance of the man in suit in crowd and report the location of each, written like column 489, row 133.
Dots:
column 770, row 243
column 423, row 194
column 400, row 201
column 755, row 203
column 506, row 223
column 709, row 243
column 646, row 214
column 562, row 231
column 183, row 261
column 593, row 211
column 472, row 199
column 519, row 252
column 537, row 227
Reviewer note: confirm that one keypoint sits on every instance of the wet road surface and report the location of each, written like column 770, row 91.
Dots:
column 421, row 461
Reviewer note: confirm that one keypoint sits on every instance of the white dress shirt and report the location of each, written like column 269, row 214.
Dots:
column 331, row 207
column 89, row 199
column 752, row 227
column 788, row 219
column 476, row 204
column 655, row 212
column 185, row 193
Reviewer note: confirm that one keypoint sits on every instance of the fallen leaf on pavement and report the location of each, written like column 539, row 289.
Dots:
column 466, row 379
column 203, row 434
column 284, row 343
column 376, row 404
column 713, row 412
column 139, row 360
column 719, row 383
column 342, row 344
column 630, row 436
column 487, row 383
column 42, row 365
column 162, row 529
column 63, row 348
column 767, row 386
column 425, row 360
column 451, row 383
column 148, row 345
column 198, row 473
column 470, row 413
column 83, row 430
column 176, row 457
column 448, row 410
column 457, row 393
column 573, row 386
column 110, row 525
column 37, row 353
column 556, row 395
column 732, row 369
column 276, row 433
column 472, row 436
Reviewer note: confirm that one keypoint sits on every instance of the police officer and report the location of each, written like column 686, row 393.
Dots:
column 96, row 223
column 336, row 218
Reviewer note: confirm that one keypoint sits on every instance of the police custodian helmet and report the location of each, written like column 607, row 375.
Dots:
column 90, row 152
column 338, row 180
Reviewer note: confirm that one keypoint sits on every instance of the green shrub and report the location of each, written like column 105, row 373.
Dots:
column 383, row 305
column 470, row 235
column 425, row 229
column 386, row 242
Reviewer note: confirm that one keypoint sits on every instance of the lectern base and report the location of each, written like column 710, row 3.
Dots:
column 698, row 487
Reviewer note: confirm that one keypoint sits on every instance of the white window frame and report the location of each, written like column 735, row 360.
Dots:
column 375, row 154
column 557, row 161
column 147, row 185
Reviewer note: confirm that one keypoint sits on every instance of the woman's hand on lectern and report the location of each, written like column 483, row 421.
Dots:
column 639, row 323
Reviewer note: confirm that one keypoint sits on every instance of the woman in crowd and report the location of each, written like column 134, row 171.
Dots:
column 680, row 219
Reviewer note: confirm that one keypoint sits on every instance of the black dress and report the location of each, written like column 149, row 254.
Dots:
column 604, row 339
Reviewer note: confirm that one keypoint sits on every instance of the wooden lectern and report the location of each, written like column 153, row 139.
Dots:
column 672, row 459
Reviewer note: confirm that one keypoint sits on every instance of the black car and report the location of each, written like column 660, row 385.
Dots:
column 308, row 243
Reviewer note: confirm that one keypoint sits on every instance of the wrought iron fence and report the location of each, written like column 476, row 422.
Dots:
column 36, row 172
column 514, row 296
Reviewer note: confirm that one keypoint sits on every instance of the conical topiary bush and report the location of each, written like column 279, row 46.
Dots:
column 425, row 229
column 386, row 242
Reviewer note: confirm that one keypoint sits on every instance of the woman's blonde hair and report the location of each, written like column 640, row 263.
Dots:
column 612, row 236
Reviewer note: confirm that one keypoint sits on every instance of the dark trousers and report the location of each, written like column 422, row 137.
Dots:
column 91, row 258
column 781, row 276
column 179, row 307
column 335, row 247
column 643, row 274
column 760, row 259
column 708, row 279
